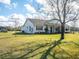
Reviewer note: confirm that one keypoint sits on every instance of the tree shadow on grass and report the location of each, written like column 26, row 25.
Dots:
column 29, row 51
column 32, row 51
column 63, row 52
column 39, row 47
column 10, row 50
column 71, row 42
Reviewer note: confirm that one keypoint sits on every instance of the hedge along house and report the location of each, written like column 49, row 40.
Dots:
column 42, row 26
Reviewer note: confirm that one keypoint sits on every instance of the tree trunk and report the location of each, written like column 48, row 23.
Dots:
column 62, row 31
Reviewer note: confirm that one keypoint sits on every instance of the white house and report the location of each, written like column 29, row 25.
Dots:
column 42, row 26
column 3, row 29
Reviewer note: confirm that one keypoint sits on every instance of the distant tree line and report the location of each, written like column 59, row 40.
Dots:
column 76, row 29
column 13, row 28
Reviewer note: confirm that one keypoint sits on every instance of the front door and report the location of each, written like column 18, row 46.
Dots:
column 46, row 29
column 50, row 29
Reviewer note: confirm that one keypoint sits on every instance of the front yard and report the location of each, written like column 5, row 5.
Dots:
column 27, row 46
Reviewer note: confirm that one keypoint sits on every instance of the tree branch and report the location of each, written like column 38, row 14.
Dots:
column 72, row 19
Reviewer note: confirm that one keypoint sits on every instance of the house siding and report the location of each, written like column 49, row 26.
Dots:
column 26, row 28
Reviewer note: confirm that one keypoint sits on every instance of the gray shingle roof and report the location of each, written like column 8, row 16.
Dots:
column 39, row 22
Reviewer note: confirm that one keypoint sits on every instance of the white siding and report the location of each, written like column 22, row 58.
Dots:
column 26, row 28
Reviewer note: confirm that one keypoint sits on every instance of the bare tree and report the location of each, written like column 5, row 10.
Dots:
column 65, row 11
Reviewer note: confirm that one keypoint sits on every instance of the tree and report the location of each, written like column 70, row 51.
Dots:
column 63, row 10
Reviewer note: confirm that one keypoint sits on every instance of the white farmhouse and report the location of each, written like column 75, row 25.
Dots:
column 42, row 26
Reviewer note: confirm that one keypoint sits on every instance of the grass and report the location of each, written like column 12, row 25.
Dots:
column 32, row 46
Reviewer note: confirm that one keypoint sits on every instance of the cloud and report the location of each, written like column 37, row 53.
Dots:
column 30, row 8
column 2, row 18
column 36, row 15
column 32, row 13
column 11, row 6
column 8, row 2
column 19, row 18
column 75, row 5
column 14, row 5
column 3, row 21
column 11, row 19
column 28, row 15
column 43, row 2
column 46, row 8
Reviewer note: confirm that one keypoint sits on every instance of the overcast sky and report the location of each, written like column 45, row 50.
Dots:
column 11, row 10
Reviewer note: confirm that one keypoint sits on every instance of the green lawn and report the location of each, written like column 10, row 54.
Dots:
column 29, row 46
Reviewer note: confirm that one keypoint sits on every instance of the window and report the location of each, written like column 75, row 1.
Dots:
column 66, row 29
column 39, row 27
column 30, row 29
column 27, row 27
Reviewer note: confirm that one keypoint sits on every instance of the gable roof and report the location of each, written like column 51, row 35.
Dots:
column 52, row 22
column 39, row 22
